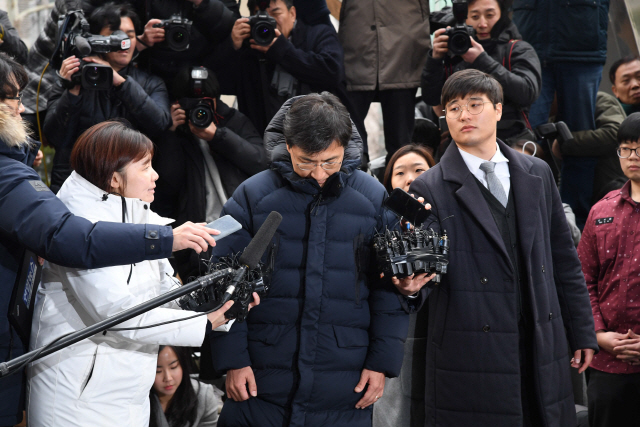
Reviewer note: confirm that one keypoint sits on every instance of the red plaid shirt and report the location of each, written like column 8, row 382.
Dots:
column 609, row 251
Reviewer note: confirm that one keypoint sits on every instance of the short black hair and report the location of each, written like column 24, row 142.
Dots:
column 288, row 3
column 109, row 14
column 629, row 130
column 12, row 75
column 315, row 121
column 618, row 63
column 471, row 82
column 182, row 86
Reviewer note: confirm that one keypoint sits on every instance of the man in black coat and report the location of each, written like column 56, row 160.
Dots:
column 497, row 347
column 302, row 59
column 140, row 98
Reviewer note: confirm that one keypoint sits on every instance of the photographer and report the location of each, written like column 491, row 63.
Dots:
column 34, row 219
column 301, row 59
column 135, row 95
column 200, row 167
column 496, row 50
column 210, row 22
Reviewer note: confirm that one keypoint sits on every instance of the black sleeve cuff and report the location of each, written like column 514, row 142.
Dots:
column 158, row 240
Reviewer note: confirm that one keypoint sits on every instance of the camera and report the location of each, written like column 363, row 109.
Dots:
column 198, row 110
column 263, row 27
column 75, row 39
column 176, row 32
column 460, row 34
column 551, row 131
column 403, row 253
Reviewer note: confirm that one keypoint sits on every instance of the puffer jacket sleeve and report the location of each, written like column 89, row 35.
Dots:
column 432, row 81
column 229, row 350
column 149, row 106
column 42, row 223
column 61, row 121
column 389, row 322
column 104, row 292
column 521, row 85
column 11, row 42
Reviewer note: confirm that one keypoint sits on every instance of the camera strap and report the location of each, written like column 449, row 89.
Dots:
column 506, row 62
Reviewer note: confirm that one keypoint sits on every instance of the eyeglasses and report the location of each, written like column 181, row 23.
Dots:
column 18, row 98
column 328, row 166
column 474, row 107
column 625, row 153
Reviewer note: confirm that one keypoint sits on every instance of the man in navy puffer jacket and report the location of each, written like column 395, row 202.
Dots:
column 318, row 348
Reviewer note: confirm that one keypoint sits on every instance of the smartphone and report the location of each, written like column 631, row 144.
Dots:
column 225, row 225
column 405, row 205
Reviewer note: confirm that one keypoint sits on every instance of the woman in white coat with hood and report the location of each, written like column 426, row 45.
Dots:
column 105, row 380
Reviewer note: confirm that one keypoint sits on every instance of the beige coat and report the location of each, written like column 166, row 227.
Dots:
column 385, row 42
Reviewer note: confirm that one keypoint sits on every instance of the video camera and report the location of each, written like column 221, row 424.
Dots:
column 75, row 39
column 177, row 35
column 208, row 298
column 263, row 27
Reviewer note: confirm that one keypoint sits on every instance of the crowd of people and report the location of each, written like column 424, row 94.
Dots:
column 543, row 273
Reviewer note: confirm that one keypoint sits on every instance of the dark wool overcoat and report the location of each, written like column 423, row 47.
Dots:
column 323, row 321
column 473, row 363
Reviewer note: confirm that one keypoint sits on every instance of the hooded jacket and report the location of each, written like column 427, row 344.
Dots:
column 514, row 65
column 32, row 217
column 106, row 378
column 323, row 320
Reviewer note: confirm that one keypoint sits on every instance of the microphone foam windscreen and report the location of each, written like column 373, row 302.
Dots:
column 83, row 46
column 258, row 245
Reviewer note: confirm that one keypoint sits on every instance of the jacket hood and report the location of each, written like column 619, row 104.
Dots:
column 84, row 199
column 276, row 147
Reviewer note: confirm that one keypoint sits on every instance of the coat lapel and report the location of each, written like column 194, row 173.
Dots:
column 527, row 190
column 470, row 197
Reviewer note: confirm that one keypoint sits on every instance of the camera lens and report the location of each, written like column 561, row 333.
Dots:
column 459, row 42
column 263, row 33
column 201, row 116
column 92, row 74
column 178, row 38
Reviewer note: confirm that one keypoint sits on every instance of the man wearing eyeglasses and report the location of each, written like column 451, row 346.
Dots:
column 330, row 331
column 497, row 351
column 609, row 251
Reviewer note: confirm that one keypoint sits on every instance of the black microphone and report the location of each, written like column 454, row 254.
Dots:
column 83, row 46
column 254, row 251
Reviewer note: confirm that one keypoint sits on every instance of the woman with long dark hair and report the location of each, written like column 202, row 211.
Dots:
column 177, row 400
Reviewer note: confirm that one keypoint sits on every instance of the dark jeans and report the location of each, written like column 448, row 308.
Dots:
column 398, row 114
column 613, row 399
column 576, row 86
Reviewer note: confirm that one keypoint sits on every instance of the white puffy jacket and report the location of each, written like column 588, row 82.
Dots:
column 104, row 380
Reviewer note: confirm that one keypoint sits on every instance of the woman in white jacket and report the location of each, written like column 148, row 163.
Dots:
column 105, row 380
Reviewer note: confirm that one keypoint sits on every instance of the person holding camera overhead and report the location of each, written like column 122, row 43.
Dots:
column 496, row 49
column 138, row 97
column 274, row 56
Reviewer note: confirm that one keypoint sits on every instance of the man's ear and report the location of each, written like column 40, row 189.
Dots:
column 498, row 111
column 615, row 91
column 293, row 12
